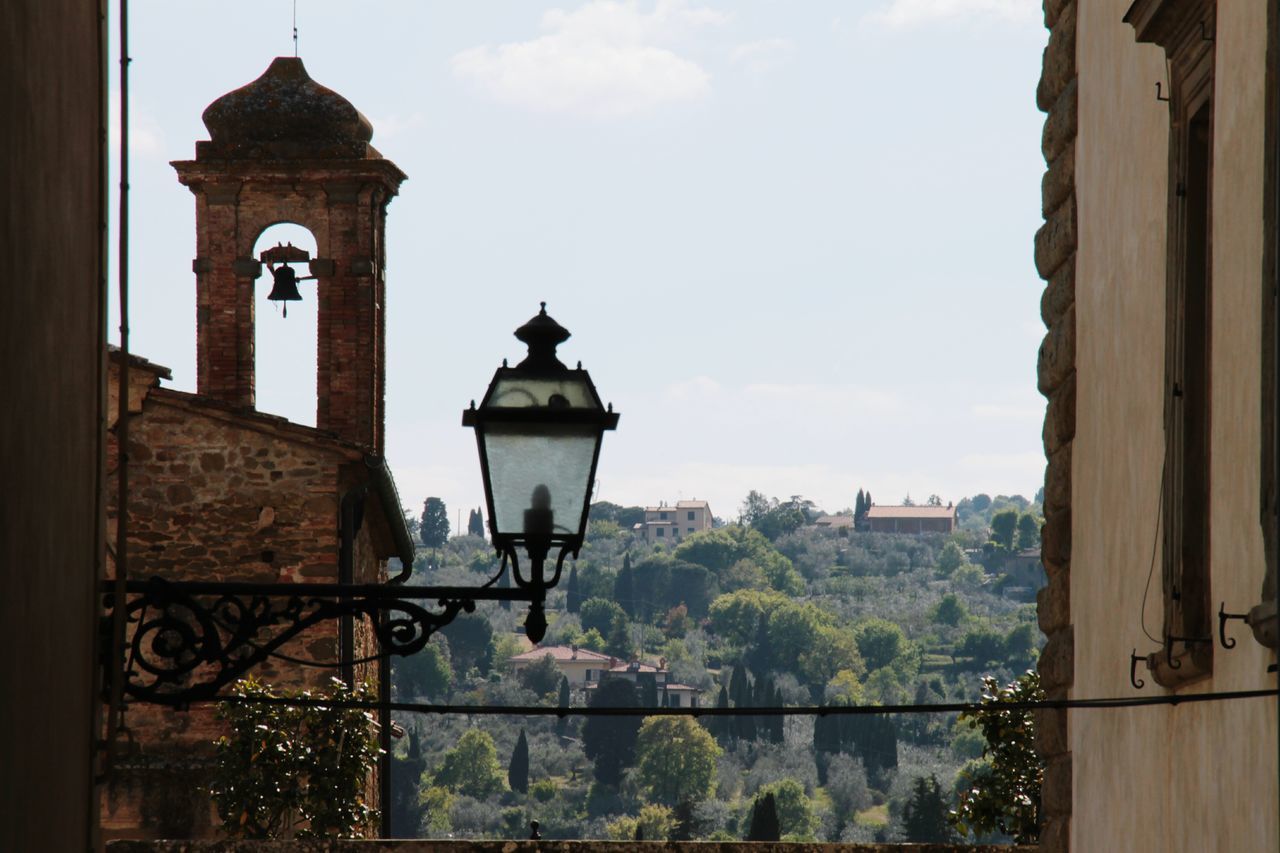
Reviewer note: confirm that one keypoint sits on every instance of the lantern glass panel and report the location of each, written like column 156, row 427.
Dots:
column 539, row 467
column 520, row 392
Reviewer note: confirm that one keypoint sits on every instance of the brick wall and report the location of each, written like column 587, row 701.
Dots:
column 343, row 204
column 222, row 495
column 545, row 847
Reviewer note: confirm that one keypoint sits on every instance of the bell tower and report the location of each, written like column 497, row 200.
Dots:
column 286, row 149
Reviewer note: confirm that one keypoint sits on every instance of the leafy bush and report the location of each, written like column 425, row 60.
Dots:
column 281, row 766
column 1006, row 796
column 654, row 823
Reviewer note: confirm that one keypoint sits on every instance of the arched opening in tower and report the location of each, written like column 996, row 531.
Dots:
column 285, row 347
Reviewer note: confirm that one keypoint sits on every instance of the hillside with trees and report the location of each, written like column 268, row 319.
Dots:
column 763, row 612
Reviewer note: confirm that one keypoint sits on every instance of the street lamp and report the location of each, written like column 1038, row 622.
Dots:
column 538, row 430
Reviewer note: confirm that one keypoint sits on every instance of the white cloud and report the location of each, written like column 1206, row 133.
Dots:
column 764, row 55
column 605, row 59
column 910, row 13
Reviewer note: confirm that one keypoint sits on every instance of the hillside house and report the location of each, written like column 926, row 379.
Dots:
column 580, row 666
column 841, row 524
column 671, row 694
column 664, row 523
column 911, row 519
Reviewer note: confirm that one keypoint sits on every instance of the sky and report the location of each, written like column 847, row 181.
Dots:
column 792, row 240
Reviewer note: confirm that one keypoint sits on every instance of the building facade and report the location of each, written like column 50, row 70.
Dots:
column 911, row 519
column 664, row 523
column 1159, row 250
column 222, row 492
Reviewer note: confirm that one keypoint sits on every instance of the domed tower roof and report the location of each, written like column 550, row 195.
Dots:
column 284, row 114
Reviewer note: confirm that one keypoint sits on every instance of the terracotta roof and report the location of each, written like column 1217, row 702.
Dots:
column 835, row 521
column 285, row 114
column 137, row 361
column 562, row 653
column 639, row 666
column 911, row 512
column 692, row 504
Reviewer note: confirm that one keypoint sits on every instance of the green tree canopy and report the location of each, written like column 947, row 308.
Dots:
column 542, row 676
column 610, row 741
column 924, row 817
column 471, row 767
column 1004, row 525
column 424, row 674
column 601, row 615
column 471, row 643
column 984, row 645
column 950, row 558
column 793, row 807
column 950, row 610
column 721, row 548
column 676, row 760
column 1029, row 531
column 1004, row 796
column 880, row 642
column 433, row 529
column 764, row 820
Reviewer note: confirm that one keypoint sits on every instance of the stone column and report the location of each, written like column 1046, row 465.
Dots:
column 1055, row 247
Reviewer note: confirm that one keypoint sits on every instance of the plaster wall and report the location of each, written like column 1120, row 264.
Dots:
column 1189, row 777
column 52, row 331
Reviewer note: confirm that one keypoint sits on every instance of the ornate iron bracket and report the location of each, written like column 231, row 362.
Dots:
column 188, row 639
column 1223, row 616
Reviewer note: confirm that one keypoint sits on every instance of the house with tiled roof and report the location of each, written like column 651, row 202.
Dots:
column 580, row 666
column 911, row 519
column 671, row 694
column 666, row 523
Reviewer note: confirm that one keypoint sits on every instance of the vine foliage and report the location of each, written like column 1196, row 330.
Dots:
column 295, row 772
column 1001, row 793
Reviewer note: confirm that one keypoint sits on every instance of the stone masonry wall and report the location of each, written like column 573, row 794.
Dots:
column 214, row 498
column 1055, row 246
column 424, row 846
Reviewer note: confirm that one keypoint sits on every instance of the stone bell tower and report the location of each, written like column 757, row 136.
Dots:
column 286, row 149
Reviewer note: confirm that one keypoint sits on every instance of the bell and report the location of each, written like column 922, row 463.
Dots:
column 284, row 286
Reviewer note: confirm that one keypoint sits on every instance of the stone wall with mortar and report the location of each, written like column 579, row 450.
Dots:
column 1055, row 248
column 225, row 495
column 425, row 846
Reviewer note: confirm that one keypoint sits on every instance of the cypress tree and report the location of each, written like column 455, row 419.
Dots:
column 760, row 655
column 624, row 587
column 740, row 695
column 721, row 726
column 762, row 696
column 764, row 820
column 686, row 825
column 518, row 769
column 649, row 691
column 562, row 723
column 572, row 595
column 777, row 730
column 504, row 582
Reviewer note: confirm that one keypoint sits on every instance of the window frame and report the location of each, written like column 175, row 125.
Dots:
column 1186, row 29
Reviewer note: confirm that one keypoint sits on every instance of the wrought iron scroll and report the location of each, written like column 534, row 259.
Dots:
column 187, row 639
